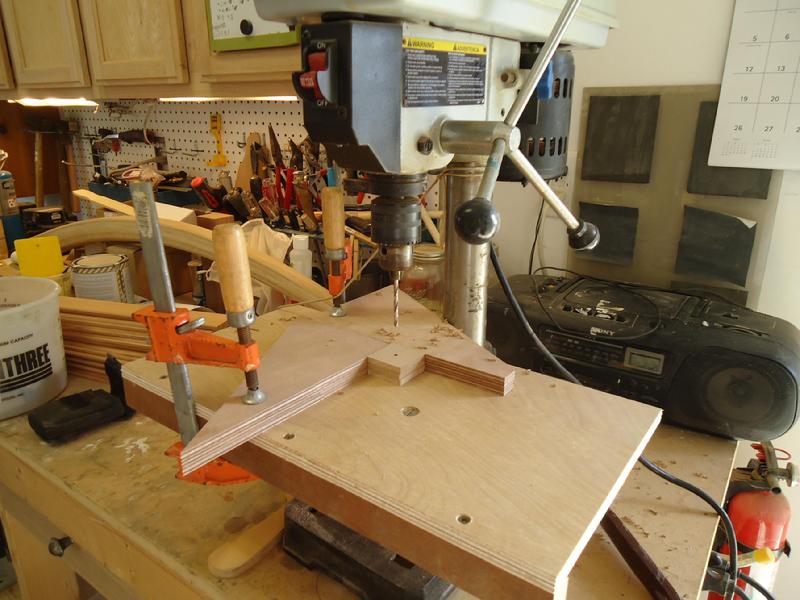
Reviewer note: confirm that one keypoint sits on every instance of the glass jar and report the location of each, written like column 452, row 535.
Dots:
column 423, row 281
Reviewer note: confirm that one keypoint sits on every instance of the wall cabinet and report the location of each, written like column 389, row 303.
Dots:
column 130, row 49
column 45, row 42
column 135, row 41
column 6, row 74
column 263, row 65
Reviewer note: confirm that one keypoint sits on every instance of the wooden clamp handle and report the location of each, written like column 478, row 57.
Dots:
column 230, row 252
column 333, row 218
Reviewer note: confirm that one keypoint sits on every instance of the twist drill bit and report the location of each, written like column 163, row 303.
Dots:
column 396, row 284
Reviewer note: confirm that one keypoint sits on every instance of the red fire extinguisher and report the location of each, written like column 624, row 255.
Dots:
column 760, row 514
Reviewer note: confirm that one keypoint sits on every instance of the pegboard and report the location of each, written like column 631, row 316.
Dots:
column 189, row 144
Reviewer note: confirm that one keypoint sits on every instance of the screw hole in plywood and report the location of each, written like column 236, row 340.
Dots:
column 464, row 519
column 288, row 436
column 410, row 411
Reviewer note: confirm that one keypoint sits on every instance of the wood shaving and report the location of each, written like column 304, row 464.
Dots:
column 445, row 330
column 287, row 319
column 385, row 332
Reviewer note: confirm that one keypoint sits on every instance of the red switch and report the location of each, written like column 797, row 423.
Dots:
column 317, row 79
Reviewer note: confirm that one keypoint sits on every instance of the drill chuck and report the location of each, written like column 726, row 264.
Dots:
column 396, row 227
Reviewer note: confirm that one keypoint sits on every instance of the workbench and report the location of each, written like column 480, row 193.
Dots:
column 139, row 532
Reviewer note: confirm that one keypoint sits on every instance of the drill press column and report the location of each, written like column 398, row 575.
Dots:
column 466, row 266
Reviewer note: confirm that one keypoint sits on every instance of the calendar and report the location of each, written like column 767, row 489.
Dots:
column 758, row 117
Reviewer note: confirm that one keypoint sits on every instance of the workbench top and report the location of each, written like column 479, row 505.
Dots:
column 120, row 476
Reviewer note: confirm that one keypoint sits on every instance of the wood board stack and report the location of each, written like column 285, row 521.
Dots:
column 94, row 328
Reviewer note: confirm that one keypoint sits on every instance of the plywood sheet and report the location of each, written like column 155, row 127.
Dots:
column 533, row 471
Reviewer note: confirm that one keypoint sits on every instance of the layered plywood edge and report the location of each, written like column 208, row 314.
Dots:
column 497, row 493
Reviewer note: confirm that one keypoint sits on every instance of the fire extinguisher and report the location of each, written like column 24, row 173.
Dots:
column 760, row 514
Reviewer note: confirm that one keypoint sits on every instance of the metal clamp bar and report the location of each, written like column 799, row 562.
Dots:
column 155, row 259
column 552, row 199
column 499, row 147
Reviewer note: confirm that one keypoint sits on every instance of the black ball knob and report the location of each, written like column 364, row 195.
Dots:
column 246, row 27
column 477, row 221
column 585, row 236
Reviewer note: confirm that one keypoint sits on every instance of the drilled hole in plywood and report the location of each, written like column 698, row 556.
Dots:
column 464, row 519
column 288, row 436
column 410, row 411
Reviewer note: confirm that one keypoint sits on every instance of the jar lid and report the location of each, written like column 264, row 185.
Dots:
column 428, row 252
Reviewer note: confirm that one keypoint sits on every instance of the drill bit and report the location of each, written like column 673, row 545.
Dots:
column 396, row 284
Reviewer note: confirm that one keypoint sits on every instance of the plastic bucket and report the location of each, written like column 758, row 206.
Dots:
column 32, row 365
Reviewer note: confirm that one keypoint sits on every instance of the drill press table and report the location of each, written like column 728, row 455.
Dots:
column 498, row 494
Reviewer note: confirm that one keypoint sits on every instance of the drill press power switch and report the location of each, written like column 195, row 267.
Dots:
column 318, row 82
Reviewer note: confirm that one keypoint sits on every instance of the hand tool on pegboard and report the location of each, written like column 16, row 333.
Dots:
column 284, row 176
column 177, row 340
column 215, row 127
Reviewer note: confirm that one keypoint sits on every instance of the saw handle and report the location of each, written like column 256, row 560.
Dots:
column 230, row 252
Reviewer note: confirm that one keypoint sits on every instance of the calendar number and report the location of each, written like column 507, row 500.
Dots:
column 780, row 68
column 738, row 127
column 774, row 98
column 768, row 128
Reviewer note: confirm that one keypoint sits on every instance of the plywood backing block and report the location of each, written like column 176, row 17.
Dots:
column 338, row 354
column 498, row 494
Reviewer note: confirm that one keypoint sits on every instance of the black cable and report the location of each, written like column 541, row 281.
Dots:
column 521, row 317
column 535, row 237
column 565, row 373
column 756, row 585
column 741, row 593
column 727, row 524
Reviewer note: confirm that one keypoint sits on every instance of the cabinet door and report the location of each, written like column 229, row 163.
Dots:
column 45, row 42
column 134, row 41
column 6, row 74
column 271, row 65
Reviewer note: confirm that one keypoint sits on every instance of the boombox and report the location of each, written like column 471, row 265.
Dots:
column 710, row 365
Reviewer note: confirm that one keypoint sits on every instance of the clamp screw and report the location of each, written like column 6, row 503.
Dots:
column 425, row 145
column 57, row 546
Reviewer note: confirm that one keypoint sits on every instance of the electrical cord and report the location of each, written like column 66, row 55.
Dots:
column 501, row 276
column 566, row 374
column 741, row 593
column 756, row 585
column 535, row 237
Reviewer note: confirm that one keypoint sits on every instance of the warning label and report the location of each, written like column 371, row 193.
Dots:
column 443, row 73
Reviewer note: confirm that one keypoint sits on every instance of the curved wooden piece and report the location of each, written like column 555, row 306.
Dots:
column 195, row 240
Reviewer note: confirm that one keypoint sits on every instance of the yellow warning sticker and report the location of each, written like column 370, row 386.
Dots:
column 412, row 43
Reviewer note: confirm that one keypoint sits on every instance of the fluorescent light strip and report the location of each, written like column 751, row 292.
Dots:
column 54, row 102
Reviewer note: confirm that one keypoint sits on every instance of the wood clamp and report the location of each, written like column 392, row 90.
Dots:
column 337, row 250
column 175, row 338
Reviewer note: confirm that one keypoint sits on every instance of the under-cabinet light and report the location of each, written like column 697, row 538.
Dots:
column 54, row 102
column 209, row 99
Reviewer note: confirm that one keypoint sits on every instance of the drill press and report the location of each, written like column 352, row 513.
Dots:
column 393, row 97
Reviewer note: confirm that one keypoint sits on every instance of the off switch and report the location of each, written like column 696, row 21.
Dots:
column 317, row 82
